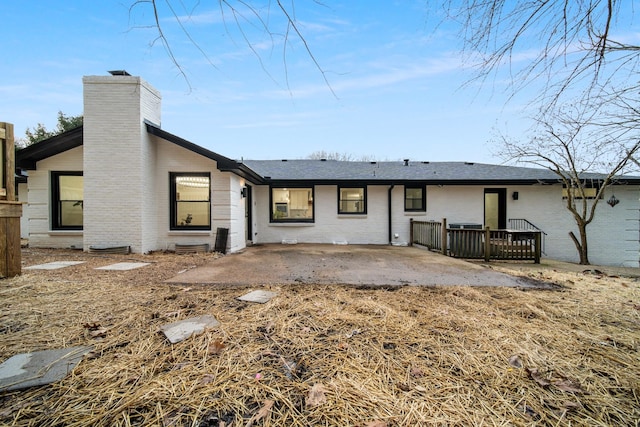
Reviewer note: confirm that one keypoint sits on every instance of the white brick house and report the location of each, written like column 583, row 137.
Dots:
column 121, row 180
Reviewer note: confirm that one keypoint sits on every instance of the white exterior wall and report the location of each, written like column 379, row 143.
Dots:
column 225, row 199
column 38, row 209
column 613, row 236
column 118, row 160
column 329, row 227
column 23, row 196
column 237, row 223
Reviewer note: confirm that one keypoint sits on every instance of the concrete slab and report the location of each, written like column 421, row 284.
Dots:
column 358, row 265
column 54, row 265
column 123, row 266
column 39, row 368
column 183, row 329
column 260, row 297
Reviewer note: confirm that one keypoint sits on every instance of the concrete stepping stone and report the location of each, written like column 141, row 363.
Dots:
column 183, row 329
column 260, row 297
column 53, row 265
column 122, row 266
column 39, row 368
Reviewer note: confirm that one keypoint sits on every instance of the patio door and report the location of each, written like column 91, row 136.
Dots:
column 495, row 208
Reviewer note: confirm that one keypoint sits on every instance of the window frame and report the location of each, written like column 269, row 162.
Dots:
column 423, row 204
column 56, row 206
column 273, row 220
column 592, row 188
column 173, row 215
column 364, row 199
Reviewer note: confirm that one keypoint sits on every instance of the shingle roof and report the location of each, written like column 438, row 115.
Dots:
column 328, row 171
column 430, row 172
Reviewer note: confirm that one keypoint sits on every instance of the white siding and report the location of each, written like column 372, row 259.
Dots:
column 613, row 235
column 237, row 224
column 329, row 226
column 227, row 208
column 23, row 196
column 38, row 209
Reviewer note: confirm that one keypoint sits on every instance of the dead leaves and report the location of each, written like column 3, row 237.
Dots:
column 417, row 372
column 95, row 330
column 215, row 347
column 263, row 412
column 316, row 395
column 568, row 385
column 515, row 361
column 560, row 382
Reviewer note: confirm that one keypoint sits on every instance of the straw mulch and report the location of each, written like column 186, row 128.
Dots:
column 323, row 355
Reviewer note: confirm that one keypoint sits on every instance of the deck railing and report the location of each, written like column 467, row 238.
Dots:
column 484, row 244
column 522, row 224
column 427, row 233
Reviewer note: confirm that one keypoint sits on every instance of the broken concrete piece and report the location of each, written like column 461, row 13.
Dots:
column 53, row 265
column 123, row 266
column 258, row 296
column 39, row 368
column 180, row 331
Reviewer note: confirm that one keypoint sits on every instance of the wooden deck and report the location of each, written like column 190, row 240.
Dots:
column 487, row 244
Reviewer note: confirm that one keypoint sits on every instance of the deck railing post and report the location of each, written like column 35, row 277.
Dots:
column 487, row 244
column 444, row 236
column 538, row 247
column 411, row 232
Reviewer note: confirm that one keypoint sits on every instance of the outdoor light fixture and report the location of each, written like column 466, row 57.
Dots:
column 243, row 193
column 613, row 201
column 515, row 195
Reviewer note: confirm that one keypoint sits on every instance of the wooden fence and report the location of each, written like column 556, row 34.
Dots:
column 487, row 244
column 10, row 209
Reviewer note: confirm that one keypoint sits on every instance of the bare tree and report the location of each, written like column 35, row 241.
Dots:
column 277, row 20
column 344, row 157
column 567, row 44
column 576, row 51
column 573, row 142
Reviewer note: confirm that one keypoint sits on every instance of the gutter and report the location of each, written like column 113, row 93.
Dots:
column 390, row 227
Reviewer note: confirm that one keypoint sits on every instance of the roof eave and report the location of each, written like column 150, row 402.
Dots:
column 28, row 157
column 224, row 164
column 279, row 181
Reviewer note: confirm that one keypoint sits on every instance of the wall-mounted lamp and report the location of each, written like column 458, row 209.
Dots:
column 515, row 195
column 243, row 193
column 613, row 201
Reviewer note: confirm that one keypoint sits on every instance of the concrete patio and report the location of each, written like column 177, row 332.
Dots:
column 358, row 265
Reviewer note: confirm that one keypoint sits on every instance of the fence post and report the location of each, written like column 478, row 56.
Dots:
column 538, row 247
column 411, row 232
column 10, row 209
column 487, row 244
column 443, row 237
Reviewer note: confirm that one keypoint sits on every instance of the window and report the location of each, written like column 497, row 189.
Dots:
column 590, row 191
column 190, row 201
column 291, row 204
column 352, row 200
column 67, row 200
column 414, row 199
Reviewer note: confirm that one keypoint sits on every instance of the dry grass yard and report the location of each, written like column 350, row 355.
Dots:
column 323, row 355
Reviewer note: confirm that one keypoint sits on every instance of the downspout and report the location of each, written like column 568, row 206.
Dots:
column 390, row 228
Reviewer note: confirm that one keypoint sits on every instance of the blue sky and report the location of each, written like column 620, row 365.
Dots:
column 397, row 82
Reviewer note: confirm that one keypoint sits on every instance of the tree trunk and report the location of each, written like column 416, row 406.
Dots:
column 581, row 245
